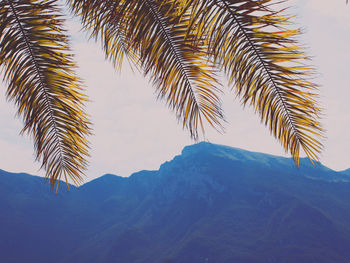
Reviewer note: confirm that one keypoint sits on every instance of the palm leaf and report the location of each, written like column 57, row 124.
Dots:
column 266, row 66
column 105, row 20
column 163, row 49
column 39, row 70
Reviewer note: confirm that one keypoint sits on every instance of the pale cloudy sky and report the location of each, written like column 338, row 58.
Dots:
column 134, row 131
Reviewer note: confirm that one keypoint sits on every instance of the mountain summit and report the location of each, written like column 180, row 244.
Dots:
column 207, row 152
column 212, row 203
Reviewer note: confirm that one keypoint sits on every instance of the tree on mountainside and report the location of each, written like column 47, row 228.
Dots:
column 180, row 44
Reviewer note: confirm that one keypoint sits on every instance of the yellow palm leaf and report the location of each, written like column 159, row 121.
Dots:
column 266, row 67
column 157, row 34
column 39, row 70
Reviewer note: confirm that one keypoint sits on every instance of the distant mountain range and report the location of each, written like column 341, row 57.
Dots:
column 212, row 203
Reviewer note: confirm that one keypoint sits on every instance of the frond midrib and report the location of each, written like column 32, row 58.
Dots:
column 241, row 27
column 175, row 51
column 42, row 84
column 117, row 22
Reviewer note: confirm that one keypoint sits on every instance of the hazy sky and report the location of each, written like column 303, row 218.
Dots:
column 134, row 131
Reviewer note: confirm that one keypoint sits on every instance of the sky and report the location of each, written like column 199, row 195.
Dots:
column 134, row 131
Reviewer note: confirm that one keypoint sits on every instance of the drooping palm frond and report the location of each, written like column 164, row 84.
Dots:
column 39, row 70
column 266, row 67
column 105, row 20
column 162, row 46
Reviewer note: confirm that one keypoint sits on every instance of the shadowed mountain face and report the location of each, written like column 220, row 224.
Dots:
column 346, row 172
column 210, row 204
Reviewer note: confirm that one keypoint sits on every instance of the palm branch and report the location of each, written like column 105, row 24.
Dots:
column 163, row 49
column 39, row 70
column 266, row 67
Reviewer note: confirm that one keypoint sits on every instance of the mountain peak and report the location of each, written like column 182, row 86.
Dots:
column 210, row 153
column 105, row 179
column 228, row 152
column 207, row 147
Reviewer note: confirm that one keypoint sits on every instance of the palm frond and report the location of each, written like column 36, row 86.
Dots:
column 39, row 70
column 158, row 36
column 266, row 66
column 105, row 20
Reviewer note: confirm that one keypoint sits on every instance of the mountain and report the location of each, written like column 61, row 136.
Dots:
column 212, row 203
column 346, row 172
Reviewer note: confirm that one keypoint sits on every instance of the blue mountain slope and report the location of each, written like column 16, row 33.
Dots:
column 346, row 172
column 212, row 203
column 266, row 161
